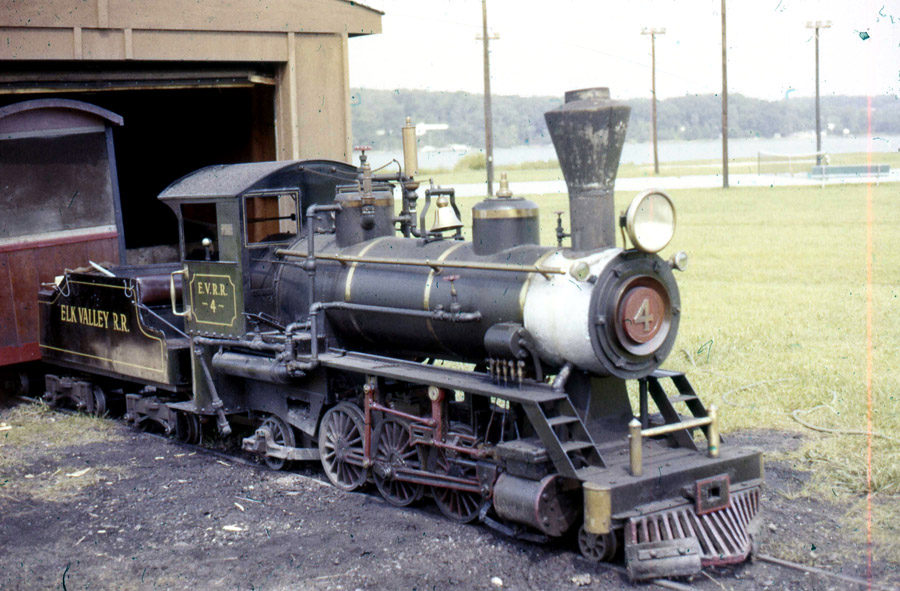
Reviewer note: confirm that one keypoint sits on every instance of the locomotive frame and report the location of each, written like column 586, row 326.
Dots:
column 306, row 317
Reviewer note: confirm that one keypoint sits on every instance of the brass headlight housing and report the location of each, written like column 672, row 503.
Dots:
column 650, row 220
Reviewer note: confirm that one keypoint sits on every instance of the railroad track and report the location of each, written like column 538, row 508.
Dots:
column 237, row 458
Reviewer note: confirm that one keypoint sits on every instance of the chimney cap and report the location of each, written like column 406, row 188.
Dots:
column 588, row 94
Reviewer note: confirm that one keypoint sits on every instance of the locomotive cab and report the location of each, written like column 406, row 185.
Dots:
column 231, row 218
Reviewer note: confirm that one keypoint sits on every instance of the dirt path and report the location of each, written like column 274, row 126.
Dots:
column 89, row 504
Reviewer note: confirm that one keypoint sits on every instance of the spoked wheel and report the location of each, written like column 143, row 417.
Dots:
column 394, row 450
column 187, row 428
column 341, row 446
column 460, row 506
column 597, row 547
column 282, row 434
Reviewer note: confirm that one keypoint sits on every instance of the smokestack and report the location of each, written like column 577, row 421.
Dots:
column 588, row 132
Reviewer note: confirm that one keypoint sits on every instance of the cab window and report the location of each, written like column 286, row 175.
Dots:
column 270, row 218
column 201, row 237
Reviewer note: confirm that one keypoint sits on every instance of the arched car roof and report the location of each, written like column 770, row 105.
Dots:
column 57, row 103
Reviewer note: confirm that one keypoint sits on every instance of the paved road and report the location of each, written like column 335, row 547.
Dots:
column 680, row 182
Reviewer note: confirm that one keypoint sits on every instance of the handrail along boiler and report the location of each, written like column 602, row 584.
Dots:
column 317, row 313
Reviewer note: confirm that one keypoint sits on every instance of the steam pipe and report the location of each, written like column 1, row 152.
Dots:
column 310, row 265
column 427, row 314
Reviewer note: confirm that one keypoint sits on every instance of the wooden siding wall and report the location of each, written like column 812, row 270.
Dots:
column 307, row 38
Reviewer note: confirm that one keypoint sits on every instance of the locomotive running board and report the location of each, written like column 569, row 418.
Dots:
column 442, row 377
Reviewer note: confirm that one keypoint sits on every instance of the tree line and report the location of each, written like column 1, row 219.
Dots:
column 379, row 114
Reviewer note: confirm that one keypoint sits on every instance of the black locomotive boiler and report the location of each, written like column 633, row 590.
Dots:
column 330, row 323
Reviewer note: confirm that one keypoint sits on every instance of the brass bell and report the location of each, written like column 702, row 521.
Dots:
column 444, row 216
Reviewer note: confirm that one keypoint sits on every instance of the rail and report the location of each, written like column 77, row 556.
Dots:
column 436, row 266
column 636, row 435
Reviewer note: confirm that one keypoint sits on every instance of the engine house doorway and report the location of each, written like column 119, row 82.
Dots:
column 171, row 129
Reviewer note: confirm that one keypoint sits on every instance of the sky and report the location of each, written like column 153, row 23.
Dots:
column 546, row 48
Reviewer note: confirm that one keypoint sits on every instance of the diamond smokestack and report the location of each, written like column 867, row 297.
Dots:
column 588, row 132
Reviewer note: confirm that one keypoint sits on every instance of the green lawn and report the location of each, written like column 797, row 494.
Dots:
column 774, row 323
column 774, row 315
column 549, row 170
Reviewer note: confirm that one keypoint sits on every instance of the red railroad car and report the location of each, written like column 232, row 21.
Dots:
column 59, row 208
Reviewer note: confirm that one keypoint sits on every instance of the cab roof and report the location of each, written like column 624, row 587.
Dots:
column 223, row 181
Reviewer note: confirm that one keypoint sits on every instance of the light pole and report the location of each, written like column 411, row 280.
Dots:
column 724, row 104
column 818, row 25
column 488, row 125
column 653, row 33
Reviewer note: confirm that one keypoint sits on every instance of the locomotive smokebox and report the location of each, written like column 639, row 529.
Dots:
column 588, row 132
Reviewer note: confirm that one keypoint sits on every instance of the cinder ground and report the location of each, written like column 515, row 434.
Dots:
column 89, row 504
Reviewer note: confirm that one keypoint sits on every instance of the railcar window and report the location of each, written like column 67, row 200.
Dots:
column 200, row 224
column 58, row 183
column 270, row 218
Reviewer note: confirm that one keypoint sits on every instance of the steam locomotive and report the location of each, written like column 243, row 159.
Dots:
column 489, row 375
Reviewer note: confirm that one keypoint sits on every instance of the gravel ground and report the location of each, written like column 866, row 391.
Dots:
column 131, row 511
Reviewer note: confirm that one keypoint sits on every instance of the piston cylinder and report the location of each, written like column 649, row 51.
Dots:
column 254, row 367
column 548, row 505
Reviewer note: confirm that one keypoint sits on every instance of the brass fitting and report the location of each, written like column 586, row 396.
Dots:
column 410, row 150
column 637, row 459
column 713, row 431
column 504, row 192
column 597, row 509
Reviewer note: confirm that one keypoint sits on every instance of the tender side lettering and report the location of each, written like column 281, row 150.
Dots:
column 94, row 317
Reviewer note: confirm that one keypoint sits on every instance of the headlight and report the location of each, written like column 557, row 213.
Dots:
column 650, row 220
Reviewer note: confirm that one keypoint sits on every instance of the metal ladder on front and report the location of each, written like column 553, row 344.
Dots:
column 666, row 404
column 562, row 431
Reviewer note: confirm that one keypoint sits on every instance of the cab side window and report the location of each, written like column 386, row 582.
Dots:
column 270, row 218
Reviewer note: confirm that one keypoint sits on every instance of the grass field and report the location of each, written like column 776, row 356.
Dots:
column 775, row 322
column 549, row 170
column 774, row 316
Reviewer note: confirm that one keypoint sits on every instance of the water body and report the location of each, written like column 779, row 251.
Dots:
column 669, row 151
column 683, row 182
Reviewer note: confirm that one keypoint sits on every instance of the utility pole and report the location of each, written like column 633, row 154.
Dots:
column 818, row 25
column 724, row 104
column 488, row 125
column 653, row 33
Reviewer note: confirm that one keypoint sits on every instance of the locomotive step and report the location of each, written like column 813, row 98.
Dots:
column 562, row 420
column 570, row 446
